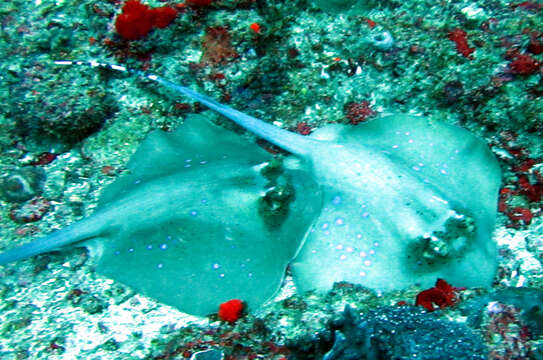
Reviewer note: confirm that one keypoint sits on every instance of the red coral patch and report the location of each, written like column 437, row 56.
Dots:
column 217, row 46
column 163, row 16
column 524, row 64
column 442, row 295
column 137, row 19
column 359, row 112
column 460, row 38
column 231, row 310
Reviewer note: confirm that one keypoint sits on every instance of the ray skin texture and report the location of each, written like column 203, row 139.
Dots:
column 204, row 216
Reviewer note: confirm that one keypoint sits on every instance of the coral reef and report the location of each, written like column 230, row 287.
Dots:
column 402, row 333
column 303, row 67
column 48, row 109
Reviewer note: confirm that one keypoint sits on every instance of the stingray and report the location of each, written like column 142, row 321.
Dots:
column 204, row 216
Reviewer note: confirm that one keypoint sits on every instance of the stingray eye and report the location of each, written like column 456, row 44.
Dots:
column 448, row 242
column 273, row 207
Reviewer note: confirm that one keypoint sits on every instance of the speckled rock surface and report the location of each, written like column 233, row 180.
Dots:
column 305, row 66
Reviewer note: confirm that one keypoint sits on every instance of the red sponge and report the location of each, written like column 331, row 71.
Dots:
column 138, row 19
column 231, row 310
column 442, row 295
column 163, row 16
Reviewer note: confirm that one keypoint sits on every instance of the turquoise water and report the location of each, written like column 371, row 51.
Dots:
column 66, row 133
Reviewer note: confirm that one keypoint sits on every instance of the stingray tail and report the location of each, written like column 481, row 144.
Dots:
column 285, row 139
column 71, row 234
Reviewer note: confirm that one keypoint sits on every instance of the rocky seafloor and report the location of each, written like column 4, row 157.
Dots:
column 67, row 133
